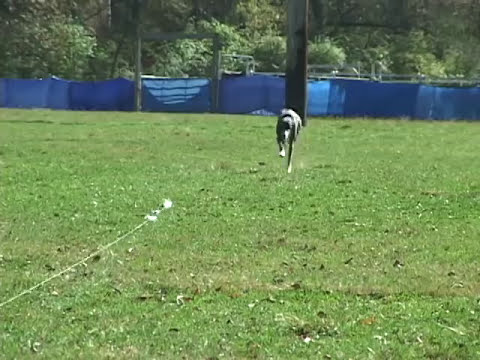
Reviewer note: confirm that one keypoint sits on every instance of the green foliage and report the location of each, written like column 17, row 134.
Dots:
column 234, row 42
column 270, row 53
column 73, row 39
column 194, row 57
column 364, row 51
column 232, row 39
column 414, row 54
column 259, row 17
column 461, row 58
column 43, row 49
column 68, row 49
column 180, row 58
column 325, row 51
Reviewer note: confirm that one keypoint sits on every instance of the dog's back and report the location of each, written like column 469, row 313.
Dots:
column 289, row 120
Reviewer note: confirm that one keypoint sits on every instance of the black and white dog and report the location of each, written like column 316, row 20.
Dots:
column 289, row 124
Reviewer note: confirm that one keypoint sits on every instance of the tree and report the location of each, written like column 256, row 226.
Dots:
column 93, row 39
column 41, row 46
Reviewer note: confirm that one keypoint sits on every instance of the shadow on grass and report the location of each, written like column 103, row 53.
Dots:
column 48, row 122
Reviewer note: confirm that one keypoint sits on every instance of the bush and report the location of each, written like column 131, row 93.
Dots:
column 271, row 53
column 325, row 51
column 68, row 50
column 413, row 54
column 45, row 48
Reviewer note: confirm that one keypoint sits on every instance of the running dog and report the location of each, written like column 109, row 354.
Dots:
column 289, row 124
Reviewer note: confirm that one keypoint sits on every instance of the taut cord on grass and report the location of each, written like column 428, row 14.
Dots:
column 167, row 204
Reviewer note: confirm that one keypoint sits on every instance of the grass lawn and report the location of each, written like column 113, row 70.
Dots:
column 369, row 250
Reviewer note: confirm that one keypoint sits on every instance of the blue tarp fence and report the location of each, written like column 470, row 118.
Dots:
column 257, row 94
column 176, row 95
column 58, row 94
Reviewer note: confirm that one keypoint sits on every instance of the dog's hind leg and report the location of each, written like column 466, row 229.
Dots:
column 291, row 149
column 281, row 149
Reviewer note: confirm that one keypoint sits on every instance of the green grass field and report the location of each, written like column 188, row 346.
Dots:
column 368, row 250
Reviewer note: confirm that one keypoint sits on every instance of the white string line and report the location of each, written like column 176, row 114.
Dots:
column 102, row 248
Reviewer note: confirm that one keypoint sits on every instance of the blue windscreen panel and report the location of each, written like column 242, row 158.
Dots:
column 442, row 103
column 374, row 99
column 318, row 98
column 274, row 88
column 258, row 94
column 110, row 95
column 425, row 102
column 177, row 95
column 26, row 93
column 336, row 98
column 3, row 92
column 58, row 95
column 252, row 94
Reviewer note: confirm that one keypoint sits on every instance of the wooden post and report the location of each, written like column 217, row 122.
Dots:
column 216, row 76
column 138, row 73
column 138, row 56
column 297, row 46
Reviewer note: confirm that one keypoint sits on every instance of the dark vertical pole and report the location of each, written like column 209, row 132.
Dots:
column 138, row 55
column 138, row 73
column 297, row 45
column 216, row 75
